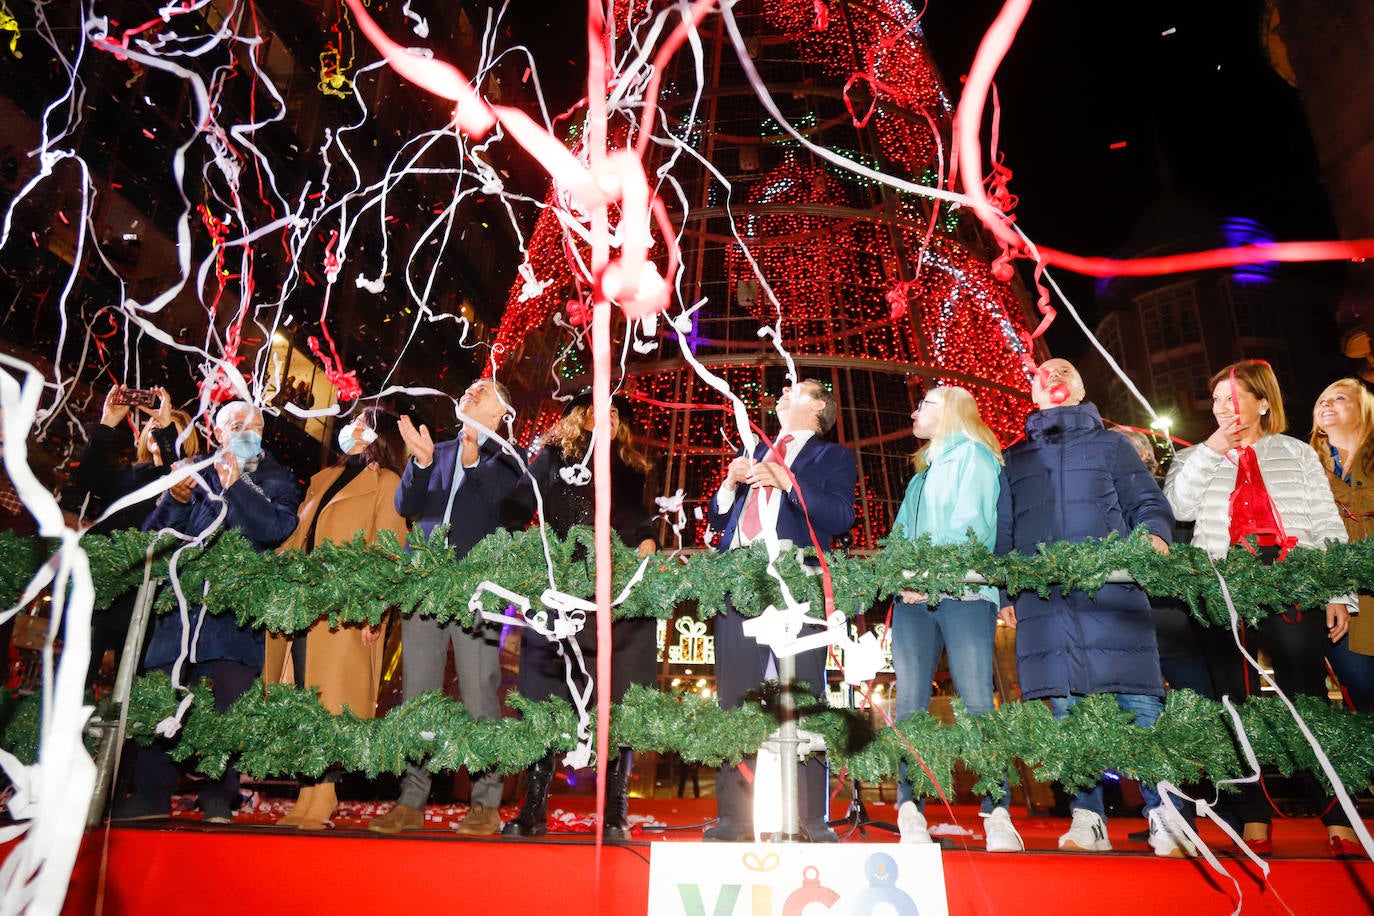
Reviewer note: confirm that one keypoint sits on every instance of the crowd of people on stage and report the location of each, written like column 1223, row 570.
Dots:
column 1070, row 478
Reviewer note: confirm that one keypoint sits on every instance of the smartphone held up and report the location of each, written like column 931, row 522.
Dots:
column 136, row 397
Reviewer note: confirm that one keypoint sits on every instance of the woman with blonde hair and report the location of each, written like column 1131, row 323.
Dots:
column 953, row 494
column 1249, row 485
column 150, row 449
column 1343, row 436
column 166, row 435
column 102, row 475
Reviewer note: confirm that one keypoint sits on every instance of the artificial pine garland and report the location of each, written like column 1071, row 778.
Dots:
column 285, row 731
column 355, row 583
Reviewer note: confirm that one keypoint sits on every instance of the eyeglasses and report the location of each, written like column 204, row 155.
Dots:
column 924, row 401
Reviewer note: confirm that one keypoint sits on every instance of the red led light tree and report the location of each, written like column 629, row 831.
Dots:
column 881, row 293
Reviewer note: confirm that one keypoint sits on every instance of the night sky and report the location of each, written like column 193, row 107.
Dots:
column 1200, row 112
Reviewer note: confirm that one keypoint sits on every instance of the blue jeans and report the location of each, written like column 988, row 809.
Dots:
column 965, row 630
column 1147, row 710
column 1355, row 672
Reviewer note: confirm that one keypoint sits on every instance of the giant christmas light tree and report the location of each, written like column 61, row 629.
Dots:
column 881, row 294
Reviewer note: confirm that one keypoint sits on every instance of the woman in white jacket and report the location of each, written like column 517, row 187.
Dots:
column 1246, row 481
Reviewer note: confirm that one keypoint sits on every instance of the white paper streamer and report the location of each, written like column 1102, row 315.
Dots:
column 55, row 793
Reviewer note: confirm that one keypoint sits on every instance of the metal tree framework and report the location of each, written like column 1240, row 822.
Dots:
column 881, row 294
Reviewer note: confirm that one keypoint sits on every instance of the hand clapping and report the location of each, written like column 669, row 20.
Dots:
column 182, row 489
column 227, row 467
column 418, row 441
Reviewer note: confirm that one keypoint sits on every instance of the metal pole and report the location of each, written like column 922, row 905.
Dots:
column 787, row 751
column 112, row 732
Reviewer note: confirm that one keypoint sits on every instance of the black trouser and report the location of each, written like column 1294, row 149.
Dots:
column 156, row 775
column 741, row 666
column 1296, row 643
column 110, row 630
column 1182, row 655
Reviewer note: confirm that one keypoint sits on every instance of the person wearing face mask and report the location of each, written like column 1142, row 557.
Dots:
column 954, row 492
column 462, row 483
column 1249, row 485
column 344, row 663
column 258, row 497
column 561, row 472
column 1343, row 436
column 1070, row 479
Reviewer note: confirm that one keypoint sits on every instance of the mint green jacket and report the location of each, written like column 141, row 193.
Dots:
column 955, row 494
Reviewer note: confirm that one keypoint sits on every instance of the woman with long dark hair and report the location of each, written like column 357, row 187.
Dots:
column 568, row 499
column 343, row 663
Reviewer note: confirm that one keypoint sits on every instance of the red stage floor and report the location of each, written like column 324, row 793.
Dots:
column 251, row 867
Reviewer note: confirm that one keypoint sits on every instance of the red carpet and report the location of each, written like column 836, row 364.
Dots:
column 180, row 865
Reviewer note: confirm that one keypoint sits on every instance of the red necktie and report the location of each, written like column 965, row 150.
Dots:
column 750, row 524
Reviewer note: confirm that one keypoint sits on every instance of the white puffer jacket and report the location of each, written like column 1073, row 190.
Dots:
column 1199, row 489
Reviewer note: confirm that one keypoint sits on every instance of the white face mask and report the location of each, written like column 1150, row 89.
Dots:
column 354, row 433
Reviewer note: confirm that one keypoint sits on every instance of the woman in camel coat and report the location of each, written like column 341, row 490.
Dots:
column 343, row 663
column 1343, row 436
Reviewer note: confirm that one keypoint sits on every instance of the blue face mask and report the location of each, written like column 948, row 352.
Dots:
column 245, row 444
column 346, row 441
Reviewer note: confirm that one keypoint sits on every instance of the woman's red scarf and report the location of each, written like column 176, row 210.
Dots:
column 1253, row 511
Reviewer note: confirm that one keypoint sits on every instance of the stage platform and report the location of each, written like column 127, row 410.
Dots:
column 180, row 864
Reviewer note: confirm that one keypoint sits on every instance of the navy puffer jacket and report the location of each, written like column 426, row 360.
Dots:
column 1069, row 480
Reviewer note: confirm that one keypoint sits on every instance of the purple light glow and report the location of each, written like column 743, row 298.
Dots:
column 1238, row 231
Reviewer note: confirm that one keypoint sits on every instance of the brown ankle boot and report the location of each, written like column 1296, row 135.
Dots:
column 294, row 817
column 322, row 805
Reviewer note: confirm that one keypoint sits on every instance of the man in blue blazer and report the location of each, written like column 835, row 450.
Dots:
column 461, row 483
column 758, row 496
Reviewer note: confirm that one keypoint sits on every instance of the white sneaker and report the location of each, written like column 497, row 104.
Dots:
column 1088, row 833
column 1001, row 836
column 1166, row 838
column 911, row 823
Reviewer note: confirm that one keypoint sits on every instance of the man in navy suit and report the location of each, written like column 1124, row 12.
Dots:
column 461, row 483
column 758, row 496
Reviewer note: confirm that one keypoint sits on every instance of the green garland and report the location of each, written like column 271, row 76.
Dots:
column 284, row 730
column 352, row 582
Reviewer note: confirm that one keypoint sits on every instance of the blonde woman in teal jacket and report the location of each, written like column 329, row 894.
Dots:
column 954, row 493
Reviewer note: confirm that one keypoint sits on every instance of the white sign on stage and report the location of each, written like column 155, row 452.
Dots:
column 800, row 879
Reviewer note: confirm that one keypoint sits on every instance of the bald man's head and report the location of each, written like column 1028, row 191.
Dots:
column 1057, row 372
